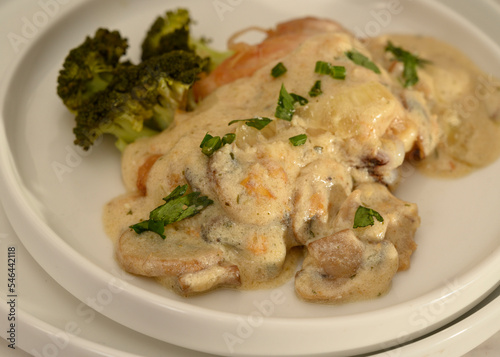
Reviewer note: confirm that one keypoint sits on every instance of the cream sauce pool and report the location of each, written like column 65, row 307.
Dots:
column 465, row 101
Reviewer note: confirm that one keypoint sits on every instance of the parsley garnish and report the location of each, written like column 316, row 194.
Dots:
column 286, row 104
column 286, row 107
column 177, row 207
column 316, row 89
column 211, row 144
column 410, row 62
column 364, row 217
column 337, row 72
column 257, row 123
column 299, row 99
column 362, row 60
column 298, row 139
column 278, row 70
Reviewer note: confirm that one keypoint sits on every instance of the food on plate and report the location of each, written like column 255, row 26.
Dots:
column 286, row 163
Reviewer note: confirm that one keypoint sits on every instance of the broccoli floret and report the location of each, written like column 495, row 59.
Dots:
column 141, row 100
column 168, row 33
column 90, row 67
column 171, row 32
column 110, row 96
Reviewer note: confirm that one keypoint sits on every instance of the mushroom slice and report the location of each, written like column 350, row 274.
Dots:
column 322, row 187
column 401, row 219
column 372, row 278
column 345, row 219
column 340, row 255
column 149, row 255
column 208, row 279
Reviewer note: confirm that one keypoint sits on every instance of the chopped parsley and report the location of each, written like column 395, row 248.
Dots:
column 337, row 72
column 299, row 99
column 410, row 62
column 257, row 123
column 278, row 70
column 177, row 207
column 316, row 89
column 211, row 144
column 228, row 138
column 286, row 104
column 298, row 139
column 365, row 217
column 362, row 60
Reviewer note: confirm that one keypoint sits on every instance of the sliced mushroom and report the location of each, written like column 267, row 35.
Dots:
column 321, row 188
column 340, row 255
column 149, row 255
column 208, row 279
column 345, row 219
column 372, row 278
column 401, row 219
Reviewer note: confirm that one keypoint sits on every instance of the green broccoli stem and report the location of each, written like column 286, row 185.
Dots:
column 125, row 132
column 203, row 50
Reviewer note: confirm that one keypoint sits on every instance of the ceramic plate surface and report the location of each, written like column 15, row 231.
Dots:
column 54, row 193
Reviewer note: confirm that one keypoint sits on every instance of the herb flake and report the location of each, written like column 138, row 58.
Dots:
column 336, row 72
column 278, row 70
column 362, row 60
column 228, row 138
column 364, row 217
column 299, row 99
column 258, row 123
column 316, row 89
column 298, row 139
column 410, row 62
column 211, row 144
column 177, row 207
column 286, row 104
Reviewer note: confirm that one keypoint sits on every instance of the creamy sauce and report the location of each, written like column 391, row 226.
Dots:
column 270, row 196
column 464, row 100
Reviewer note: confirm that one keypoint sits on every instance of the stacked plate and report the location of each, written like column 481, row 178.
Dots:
column 70, row 298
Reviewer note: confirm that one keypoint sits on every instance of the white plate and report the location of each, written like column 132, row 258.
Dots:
column 57, row 213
